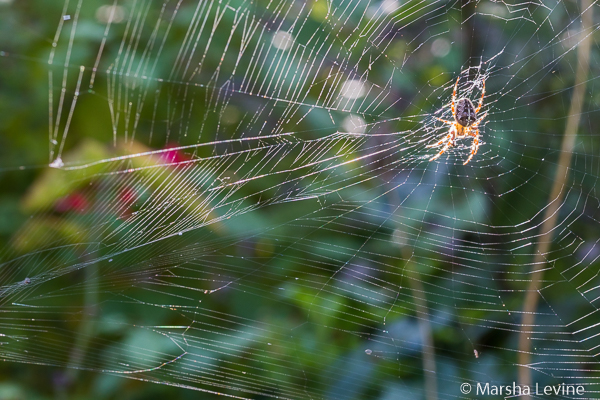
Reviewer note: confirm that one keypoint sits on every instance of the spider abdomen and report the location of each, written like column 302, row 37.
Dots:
column 465, row 112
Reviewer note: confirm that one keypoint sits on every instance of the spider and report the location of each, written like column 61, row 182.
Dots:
column 464, row 125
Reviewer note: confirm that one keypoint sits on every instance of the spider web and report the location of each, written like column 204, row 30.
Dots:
column 238, row 198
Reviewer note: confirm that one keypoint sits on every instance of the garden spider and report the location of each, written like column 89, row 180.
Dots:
column 464, row 125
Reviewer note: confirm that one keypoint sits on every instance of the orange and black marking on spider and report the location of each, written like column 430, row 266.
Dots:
column 464, row 125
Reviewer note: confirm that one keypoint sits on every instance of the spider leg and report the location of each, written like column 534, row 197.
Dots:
column 443, row 120
column 474, row 146
column 481, row 99
column 441, row 151
column 479, row 120
column 448, row 137
column 450, row 142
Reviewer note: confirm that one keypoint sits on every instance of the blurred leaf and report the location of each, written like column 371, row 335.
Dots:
column 37, row 231
column 55, row 183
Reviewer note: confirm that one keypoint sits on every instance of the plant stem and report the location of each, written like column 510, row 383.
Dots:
column 428, row 349
column 556, row 196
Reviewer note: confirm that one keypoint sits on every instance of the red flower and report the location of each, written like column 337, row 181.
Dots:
column 72, row 202
column 173, row 155
column 127, row 196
